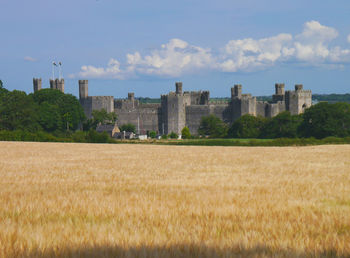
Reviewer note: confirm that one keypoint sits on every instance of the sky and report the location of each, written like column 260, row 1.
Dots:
column 147, row 46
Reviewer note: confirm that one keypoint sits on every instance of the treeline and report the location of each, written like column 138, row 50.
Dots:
column 332, row 97
column 90, row 136
column 319, row 121
column 49, row 116
column 46, row 110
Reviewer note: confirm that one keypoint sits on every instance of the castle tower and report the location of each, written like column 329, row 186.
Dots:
column 279, row 88
column 37, row 83
column 298, row 87
column 297, row 101
column 279, row 92
column 236, row 91
column 173, row 111
column 131, row 96
column 178, row 88
column 52, row 84
column 60, row 84
column 83, row 89
column 241, row 104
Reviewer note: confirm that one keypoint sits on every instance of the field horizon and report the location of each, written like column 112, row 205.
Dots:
column 135, row 200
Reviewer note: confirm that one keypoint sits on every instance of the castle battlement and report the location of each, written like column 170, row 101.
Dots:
column 179, row 109
column 57, row 84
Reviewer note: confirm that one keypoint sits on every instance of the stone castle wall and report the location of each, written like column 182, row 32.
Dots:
column 145, row 117
column 97, row 103
column 179, row 109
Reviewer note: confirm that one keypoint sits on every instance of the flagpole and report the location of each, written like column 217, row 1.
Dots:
column 53, row 70
column 60, row 70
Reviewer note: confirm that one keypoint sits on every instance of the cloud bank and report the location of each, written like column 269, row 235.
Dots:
column 311, row 47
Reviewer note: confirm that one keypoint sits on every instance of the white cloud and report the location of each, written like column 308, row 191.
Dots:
column 172, row 59
column 30, row 59
column 314, row 32
column 112, row 71
column 249, row 54
column 313, row 46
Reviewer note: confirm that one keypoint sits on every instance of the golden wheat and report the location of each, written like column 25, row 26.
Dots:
column 71, row 200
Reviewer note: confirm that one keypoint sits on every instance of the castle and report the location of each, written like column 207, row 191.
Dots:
column 57, row 84
column 179, row 109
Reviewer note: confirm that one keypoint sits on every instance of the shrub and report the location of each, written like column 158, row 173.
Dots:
column 152, row 134
column 186, row 133
column 173, row 135
column 79, row 136
column 95, row 137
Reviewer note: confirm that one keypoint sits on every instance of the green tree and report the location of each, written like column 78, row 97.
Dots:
column 152, row 134
column 247, row 126
column 212, row 126
column 324, row 119
column 185, row 132
column 2, row 89
column 103, row 117
column 49, row 117
column 95, row 137
column 283, row 125
column 99, row 117
column 18, row 111
column 128, row 128
column 70, row 110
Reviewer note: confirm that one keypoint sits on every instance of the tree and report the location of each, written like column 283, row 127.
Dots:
column 247, row 126
column 101, row 116
column 152, row 134
column 324, row 119
column 212, row 126
column 49, row 117
column 95, row 137
column 18, row 111
column 69, row 108
column 128, row 128
column 282, row 125
column 2, row 89
column 185, row 132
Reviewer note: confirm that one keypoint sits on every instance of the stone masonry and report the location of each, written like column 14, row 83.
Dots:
column 179, row 109
column 57, row 84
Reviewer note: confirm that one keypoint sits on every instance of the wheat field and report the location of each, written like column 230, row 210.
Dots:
column 98, row 200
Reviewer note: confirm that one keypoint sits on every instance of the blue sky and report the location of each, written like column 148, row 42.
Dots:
column 145, row 46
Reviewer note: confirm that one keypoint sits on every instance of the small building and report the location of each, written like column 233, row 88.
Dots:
column 124, row 135
column 110, row 129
